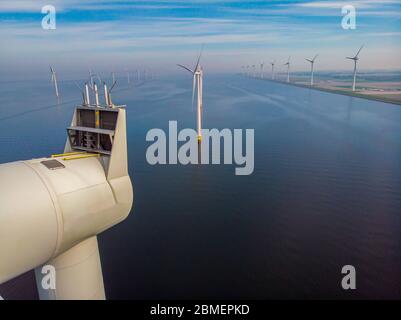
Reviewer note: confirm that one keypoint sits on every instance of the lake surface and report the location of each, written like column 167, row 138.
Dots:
column 325, row 192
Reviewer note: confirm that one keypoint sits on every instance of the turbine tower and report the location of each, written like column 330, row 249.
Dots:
column 254, row 70
column 355, row 61
column 273, row 63
column 312, row 62
column 261, row 70
column 113, row 77
column 54, row 80
column 288, row 68
column 128, row 79
column 197, row 82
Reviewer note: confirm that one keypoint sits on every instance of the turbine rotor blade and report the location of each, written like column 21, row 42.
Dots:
column 186, row 68
column 358, row 51
column 200, row 54
column 113, row 86
column 76, row 83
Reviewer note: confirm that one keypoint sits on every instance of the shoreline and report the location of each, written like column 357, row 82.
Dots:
column 345, row 93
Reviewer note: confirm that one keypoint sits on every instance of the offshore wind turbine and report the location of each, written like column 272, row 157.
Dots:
column 254, row 70
column 273, row 63
column 54, row 80
column 113, row 77
column 197, row 81
column 312, row 62
column 356, row 58
column 261, row 70
column 288, row 68
column 90, row 77
column 128, row 79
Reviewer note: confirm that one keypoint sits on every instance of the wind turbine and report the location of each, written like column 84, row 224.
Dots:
column 254, row 70
column 128, row 80
column 54, row 80
column 355, row 61
column 273, row 63
column 288, row 68
column 247, row 71
column 261, row 70
column 113, row 77
column 197, row 82
column 90, row 77
column 312, row 62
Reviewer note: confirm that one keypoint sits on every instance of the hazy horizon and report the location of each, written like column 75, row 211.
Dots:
column 110, row 35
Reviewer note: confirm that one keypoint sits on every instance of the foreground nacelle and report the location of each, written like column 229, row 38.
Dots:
column 50, row 208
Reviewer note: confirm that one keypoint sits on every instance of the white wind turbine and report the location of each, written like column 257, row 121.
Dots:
column 54, row 80
column 261, row 70
column 113, row 77
column 288, row 68
column 273, row 63
column 312, row 62
column 355, row 61
column 197, row 82
column 127, row 72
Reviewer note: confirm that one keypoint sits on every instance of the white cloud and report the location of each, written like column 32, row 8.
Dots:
column 340, row 4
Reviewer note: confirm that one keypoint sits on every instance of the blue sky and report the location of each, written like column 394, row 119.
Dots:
column 118, row 35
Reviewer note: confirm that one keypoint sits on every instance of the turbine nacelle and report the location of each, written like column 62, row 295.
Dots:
column 356, row 58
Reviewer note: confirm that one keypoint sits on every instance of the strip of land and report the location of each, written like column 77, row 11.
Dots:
column 388, row 92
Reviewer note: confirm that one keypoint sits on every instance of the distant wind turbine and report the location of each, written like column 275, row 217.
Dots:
column 312, row 62
column 91, row 78
column 355, row 61
column 197, row 82
column 273, row 63
column 261, row 70
column 254, row 70
column 128, row 80
column 54, row 80
column 113, row 77
column 288, row 68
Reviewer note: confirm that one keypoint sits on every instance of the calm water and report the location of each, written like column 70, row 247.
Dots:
column 326, row 191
